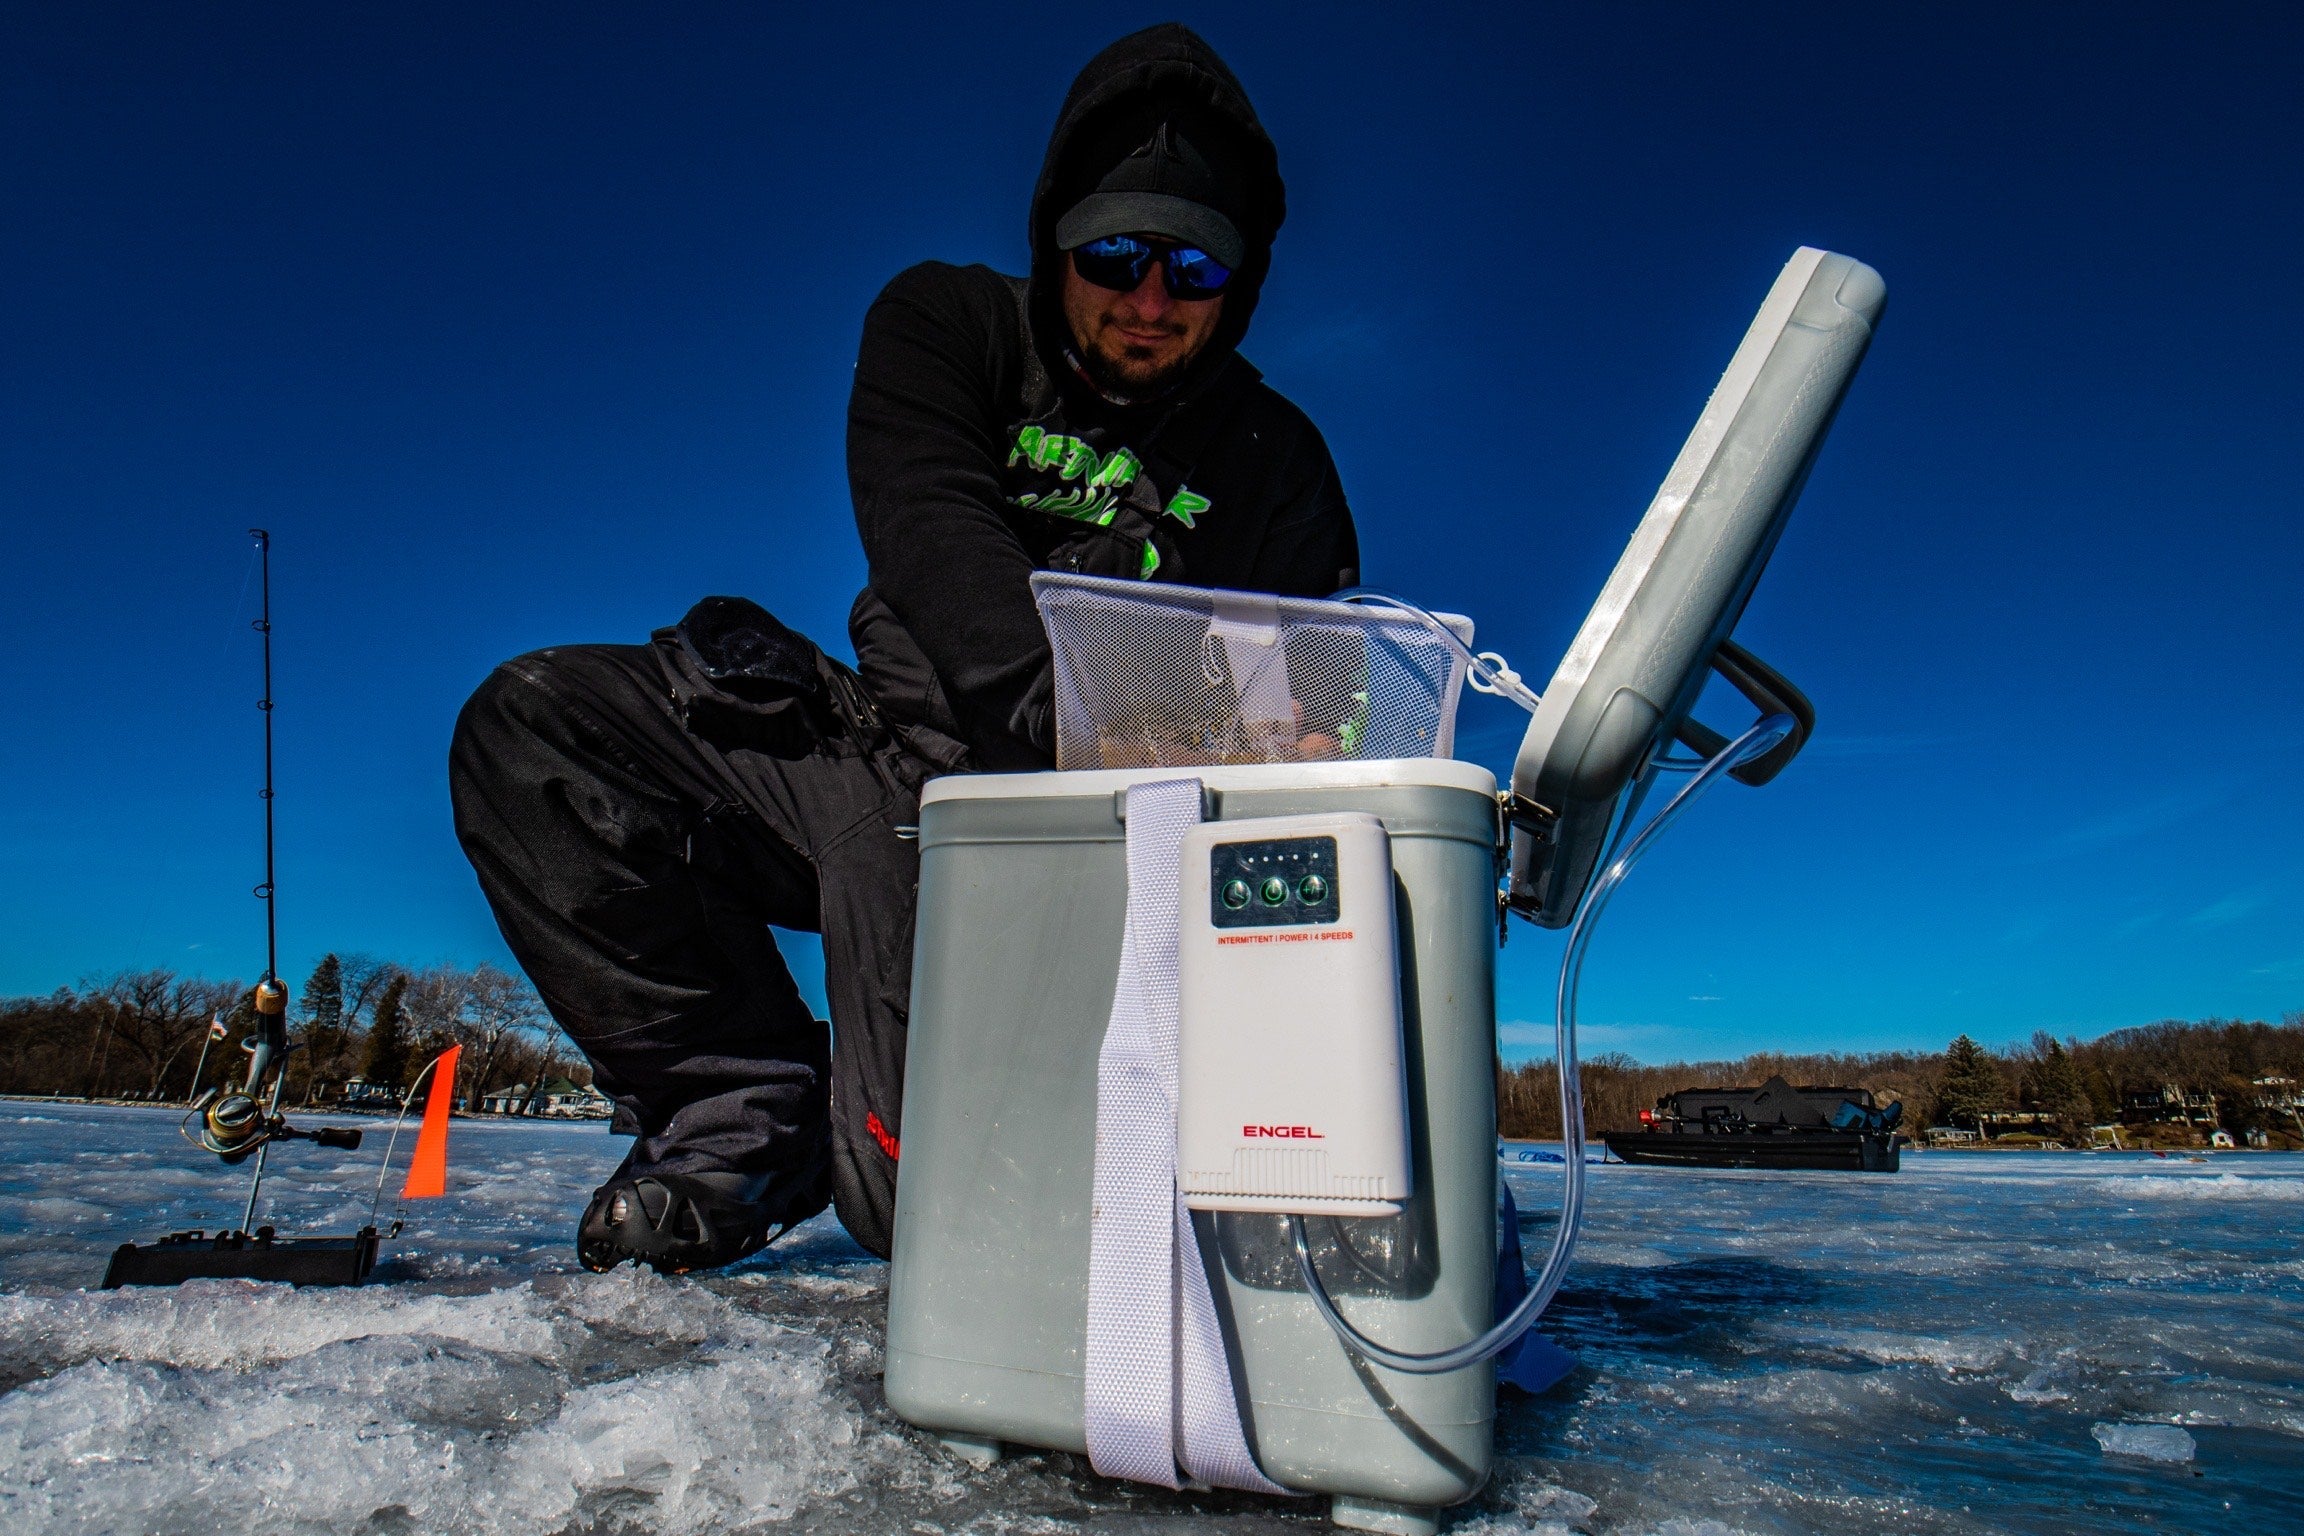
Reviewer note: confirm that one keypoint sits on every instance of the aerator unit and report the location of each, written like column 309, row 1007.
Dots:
column 1200, row 1176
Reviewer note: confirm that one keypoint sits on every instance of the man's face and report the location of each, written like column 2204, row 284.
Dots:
column 1136, row 343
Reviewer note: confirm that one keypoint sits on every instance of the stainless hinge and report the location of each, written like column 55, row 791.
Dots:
column 1517, row 810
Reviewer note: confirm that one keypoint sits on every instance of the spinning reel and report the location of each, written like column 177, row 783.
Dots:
column 235, row 1122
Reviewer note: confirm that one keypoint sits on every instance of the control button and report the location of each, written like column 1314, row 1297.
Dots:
column 1313, row 889
column 1275, row 891
column 1235, row 894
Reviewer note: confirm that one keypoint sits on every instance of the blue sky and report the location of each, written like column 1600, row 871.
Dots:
column 525, row 324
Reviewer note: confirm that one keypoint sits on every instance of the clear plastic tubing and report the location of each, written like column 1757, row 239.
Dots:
column 1483, row 666
column 1508, row 1330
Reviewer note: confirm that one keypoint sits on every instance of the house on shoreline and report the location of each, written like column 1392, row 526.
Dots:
column 558, row 1098
column 2172, row 1104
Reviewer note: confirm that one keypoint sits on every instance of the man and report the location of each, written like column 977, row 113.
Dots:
column 639, row 816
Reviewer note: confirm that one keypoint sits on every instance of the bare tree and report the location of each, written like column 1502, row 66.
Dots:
column 154, row 1019
column 500, row 1011
column 46, row 1043
column 362, row 979
column 432, row 1010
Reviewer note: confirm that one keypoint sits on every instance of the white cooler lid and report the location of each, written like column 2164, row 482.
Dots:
column 1440, row 772
column 1640, row 659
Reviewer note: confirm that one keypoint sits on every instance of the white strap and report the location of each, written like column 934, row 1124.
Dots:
column 1159, row 1385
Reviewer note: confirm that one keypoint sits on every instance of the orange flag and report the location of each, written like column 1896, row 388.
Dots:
column 428, row 1170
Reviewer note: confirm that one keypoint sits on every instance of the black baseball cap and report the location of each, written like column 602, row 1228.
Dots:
column 1165, row 188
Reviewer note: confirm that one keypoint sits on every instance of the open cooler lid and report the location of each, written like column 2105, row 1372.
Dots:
column 1663, row 620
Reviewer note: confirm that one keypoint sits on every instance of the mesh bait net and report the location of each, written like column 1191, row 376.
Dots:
column 1184, row 677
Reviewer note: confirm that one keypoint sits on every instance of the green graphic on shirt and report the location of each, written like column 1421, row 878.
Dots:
column 1097, row 480
column 1185, row 506
column 1092, row 483
column 1071, row 458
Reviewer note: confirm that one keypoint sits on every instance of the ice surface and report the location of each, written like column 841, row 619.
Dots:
column 2147, row 1442
column 2222, row 1186
column 469, row 1413
column 2050, row 1343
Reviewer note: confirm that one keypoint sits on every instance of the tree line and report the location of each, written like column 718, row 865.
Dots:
column 146, row 1034
column 2072, row 1084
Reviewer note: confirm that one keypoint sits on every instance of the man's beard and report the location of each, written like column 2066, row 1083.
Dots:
column 1132, row 379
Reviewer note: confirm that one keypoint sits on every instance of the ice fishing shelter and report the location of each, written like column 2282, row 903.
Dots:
column 1054, row 916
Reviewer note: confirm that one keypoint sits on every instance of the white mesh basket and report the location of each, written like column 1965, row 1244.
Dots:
column 1183, row 677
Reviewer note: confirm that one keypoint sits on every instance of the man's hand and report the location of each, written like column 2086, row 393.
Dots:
column 1129, row 548
column 1312, row 746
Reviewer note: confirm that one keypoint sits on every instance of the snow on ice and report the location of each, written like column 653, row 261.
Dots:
column 2037, row 1343
column 2146, row 1442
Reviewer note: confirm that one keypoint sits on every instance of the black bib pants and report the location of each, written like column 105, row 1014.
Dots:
column 637, row 829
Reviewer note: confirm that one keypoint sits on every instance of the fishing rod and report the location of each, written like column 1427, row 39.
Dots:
column 240, row 1122
column 237, row 1123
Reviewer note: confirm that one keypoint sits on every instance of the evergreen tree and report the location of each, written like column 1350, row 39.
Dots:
column 322, row 1058
column 2056, row 1090
column 388, row 1038
column 324, row 995
column 1971, row 1088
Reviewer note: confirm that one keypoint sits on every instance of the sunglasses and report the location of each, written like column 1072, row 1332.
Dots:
column 1119, row 262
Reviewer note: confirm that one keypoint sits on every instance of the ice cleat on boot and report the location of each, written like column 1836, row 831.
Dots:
column 677, row 1222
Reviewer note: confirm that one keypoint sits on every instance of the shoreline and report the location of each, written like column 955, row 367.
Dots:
column 178, row 1107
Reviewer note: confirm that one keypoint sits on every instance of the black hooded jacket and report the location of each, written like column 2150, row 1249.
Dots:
column 977, row 454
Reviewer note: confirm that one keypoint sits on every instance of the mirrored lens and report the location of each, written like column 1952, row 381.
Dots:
column 1115, row 262
column 1193, row 273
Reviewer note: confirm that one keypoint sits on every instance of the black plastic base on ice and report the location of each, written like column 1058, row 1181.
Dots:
column 261, row 1255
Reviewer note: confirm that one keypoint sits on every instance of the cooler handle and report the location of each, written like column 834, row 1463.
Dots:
column 1771, row 693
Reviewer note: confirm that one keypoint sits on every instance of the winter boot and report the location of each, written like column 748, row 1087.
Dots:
column 677, row 1222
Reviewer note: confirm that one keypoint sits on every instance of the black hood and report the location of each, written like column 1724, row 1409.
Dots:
column 1161, row 74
